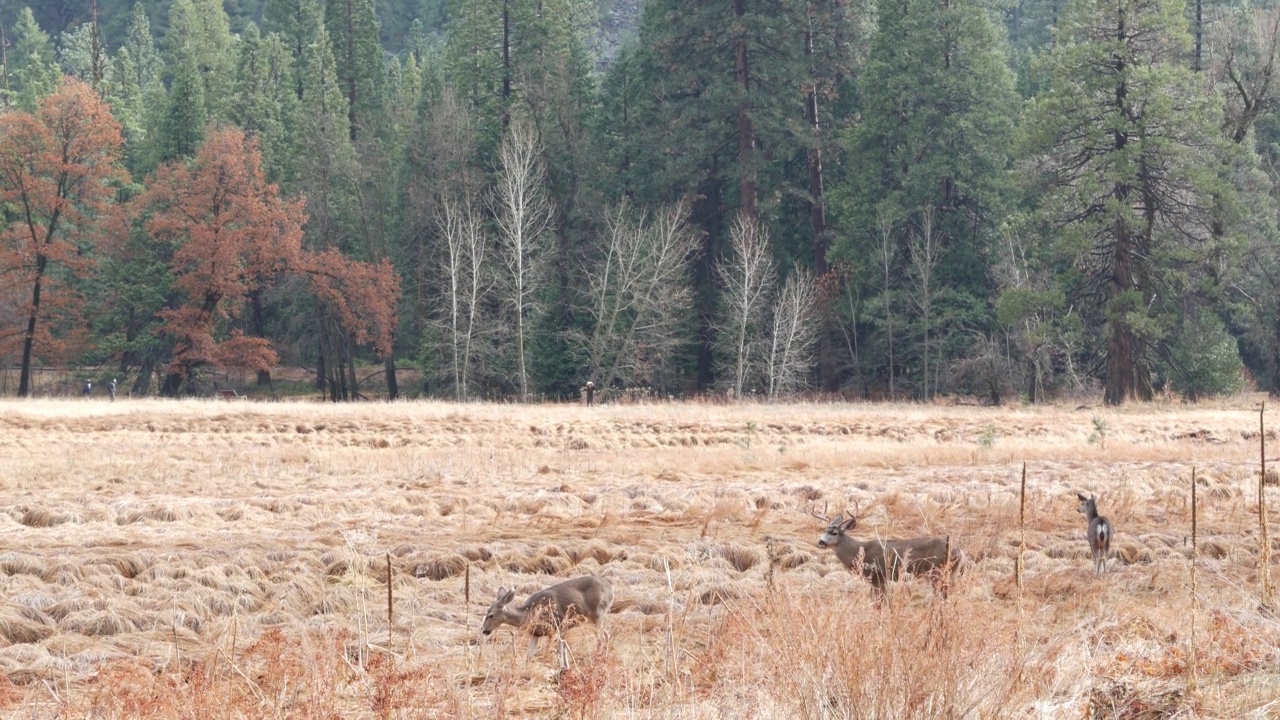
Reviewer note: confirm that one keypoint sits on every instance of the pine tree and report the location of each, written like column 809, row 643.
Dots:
column 199, row 37
column 182, row 127
column 81, row 54
column 124, row 95
column 1123, row 144
column 264, row 96
column 298, row 22
column 33, row 71
column 142, row 48
column 353, row 30
column 323, row 164
column 937, row 100
column 479, row 60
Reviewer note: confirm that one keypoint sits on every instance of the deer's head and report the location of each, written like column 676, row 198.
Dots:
column 836, row 527
column 494, row 616
column 1088, row 505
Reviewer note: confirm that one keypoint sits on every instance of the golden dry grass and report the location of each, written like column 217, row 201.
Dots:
column 213, row 559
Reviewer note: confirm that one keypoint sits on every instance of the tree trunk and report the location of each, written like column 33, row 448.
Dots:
column 746, row 134
column 1195, row 62
column 29, row 338
column 1125, row 367
column 1127, row 373
column 1033, row 380
column 520, row 366
column 1274, row 361
column 4, row 68
column 349, row 351
column 506, row 65
column 708, row 212
column 172, row 384
column 142, row 383
column 264, row 376
column 393, row 385
column 321, row 374
column 817, row 202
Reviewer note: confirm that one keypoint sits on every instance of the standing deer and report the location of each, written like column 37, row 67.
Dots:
column 1100, row 531
column 550, row 610
column 884, row 560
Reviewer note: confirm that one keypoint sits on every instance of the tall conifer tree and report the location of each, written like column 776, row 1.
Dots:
column 1124, row 143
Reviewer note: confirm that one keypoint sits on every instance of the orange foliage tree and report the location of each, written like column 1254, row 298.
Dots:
column 356, row 306
column 228, row 230
column 59, row 168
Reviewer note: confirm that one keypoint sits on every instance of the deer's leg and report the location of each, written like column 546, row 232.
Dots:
column 602, row 636
column 941, row 580
column 533, row 646
column 877, row 585
column 562, row 652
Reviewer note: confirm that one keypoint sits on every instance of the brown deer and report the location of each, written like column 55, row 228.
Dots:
column 553, row 609
column 885, row 560
column 1100, row 531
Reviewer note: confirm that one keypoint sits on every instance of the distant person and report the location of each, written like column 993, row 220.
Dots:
column 591, row 393
column 87, row 390
column 111, row 389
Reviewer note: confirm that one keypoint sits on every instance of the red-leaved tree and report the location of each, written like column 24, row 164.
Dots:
column 229, row 230
column 357, row 304
column 58, row 168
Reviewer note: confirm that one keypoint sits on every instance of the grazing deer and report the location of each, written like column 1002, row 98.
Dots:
column 885, row 560
column 1100, row 531
column 550, row 610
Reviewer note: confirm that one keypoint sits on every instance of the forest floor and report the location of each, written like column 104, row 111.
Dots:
column 229, row 559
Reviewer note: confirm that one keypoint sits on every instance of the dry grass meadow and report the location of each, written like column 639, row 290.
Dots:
column 203, row 559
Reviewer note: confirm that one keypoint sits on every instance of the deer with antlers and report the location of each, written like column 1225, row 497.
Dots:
column 884, row 560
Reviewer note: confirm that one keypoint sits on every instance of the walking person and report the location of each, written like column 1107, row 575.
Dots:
column 591, row 393
column 87, row 390
column 111, row 389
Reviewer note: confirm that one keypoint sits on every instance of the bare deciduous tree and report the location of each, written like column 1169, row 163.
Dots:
column 748, row 278
column 462, row 227
column 1248, row 38
column 523, row 215
column 794, row 334
column 639, row 290
column 926, row 252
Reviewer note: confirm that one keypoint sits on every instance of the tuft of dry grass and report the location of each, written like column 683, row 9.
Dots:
column 440, row 566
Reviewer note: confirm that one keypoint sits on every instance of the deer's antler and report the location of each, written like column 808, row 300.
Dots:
column 823, row 517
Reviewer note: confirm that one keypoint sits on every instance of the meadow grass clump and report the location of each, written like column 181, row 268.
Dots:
column 439, row 566
column 42, row 517
column 20, row 624
column 834, row 654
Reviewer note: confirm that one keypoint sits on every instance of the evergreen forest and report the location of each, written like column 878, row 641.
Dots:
column 1001, row 200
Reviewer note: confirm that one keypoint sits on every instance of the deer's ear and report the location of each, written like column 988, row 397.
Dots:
column 1082, row 497
column 852, row 522
column 506, row 596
